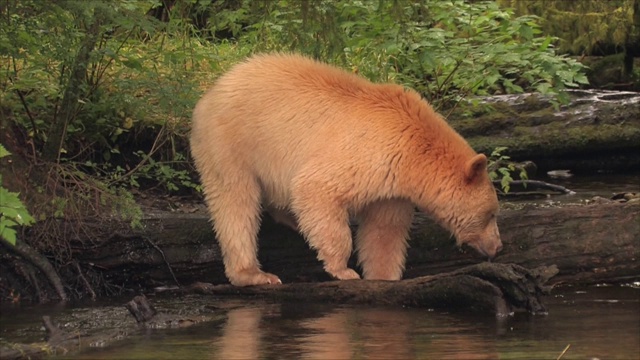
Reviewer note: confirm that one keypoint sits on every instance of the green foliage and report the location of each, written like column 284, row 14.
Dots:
column 105, row 91
column 445, row 49
column 13, row 213
column 501, row 169
column 132, row 82
column 589, row 27
column 584, row 25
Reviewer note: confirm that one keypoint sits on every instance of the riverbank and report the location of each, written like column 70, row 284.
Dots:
column 590, row 243
column 587, row 322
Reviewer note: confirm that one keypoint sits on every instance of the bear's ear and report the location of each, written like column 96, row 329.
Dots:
column 475, row 167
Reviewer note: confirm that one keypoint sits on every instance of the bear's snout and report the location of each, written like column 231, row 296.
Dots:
column 488, row 249
column 495, row 252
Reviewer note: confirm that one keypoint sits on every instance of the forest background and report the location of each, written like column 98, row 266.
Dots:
column 96, row 96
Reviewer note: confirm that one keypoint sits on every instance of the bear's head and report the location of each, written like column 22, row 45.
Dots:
column 473, row 213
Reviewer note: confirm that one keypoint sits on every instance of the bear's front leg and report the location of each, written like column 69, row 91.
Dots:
column 381, row 239
column 325, row 225
column 235, row 211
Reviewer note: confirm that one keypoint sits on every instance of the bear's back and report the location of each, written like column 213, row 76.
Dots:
column 275, row 114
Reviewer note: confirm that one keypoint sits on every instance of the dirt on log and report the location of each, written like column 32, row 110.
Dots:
column 589, row 244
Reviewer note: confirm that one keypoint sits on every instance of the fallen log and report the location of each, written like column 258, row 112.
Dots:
column 595, row 131
column 589, row 244
column 487, row 287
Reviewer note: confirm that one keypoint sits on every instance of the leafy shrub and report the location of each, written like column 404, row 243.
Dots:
column 445, row 49
column 13, row 213
column 102, row 87
column 501, row 169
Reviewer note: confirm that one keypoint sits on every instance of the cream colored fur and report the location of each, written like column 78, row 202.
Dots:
column 303, row 138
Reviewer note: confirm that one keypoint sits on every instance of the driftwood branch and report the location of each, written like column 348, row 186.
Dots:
column 141, row 309
column 532, row 185
column 84, row 280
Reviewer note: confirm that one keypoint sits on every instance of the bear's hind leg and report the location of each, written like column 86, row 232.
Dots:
column 381, row 239
column 235, row 210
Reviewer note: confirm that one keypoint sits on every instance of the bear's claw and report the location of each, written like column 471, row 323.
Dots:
column 254, row 277
column 345, row 274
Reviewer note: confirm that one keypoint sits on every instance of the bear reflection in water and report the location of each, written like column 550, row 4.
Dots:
column 258, row 333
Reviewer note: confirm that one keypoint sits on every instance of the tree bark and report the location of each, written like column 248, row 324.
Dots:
column 72, row 94
column 589, row 244
column 34, row 257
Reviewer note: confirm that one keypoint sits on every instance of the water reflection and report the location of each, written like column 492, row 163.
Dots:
column 241, row 334
column 597, row 322
column 346, row 333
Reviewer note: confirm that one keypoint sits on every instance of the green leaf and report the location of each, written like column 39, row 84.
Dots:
column 3, row 151
column 526, row 32
column 581, row 79
column 545, row 44
column 8, row 234
column 543, row 88
column 133, row 64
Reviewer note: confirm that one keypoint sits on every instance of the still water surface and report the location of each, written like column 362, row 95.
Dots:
column 595, row 322
column 585, row 188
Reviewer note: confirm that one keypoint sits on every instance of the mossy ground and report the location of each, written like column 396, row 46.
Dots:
column 534, row 128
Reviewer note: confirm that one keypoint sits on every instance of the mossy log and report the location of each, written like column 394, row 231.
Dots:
column 589, row 244
column 595, row 131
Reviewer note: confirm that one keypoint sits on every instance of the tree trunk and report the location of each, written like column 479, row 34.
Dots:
column 73, row 93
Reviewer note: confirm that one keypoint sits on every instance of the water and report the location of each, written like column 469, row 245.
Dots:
column 585, row 188
column 604, row 185
column 595, row 322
